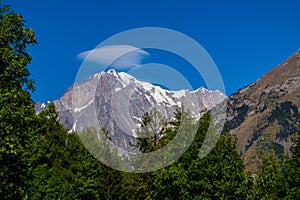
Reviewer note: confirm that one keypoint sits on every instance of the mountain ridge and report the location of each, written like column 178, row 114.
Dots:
column 264, row 114
column 107, row 98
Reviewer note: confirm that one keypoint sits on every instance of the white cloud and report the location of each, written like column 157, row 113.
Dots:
column 116, row 56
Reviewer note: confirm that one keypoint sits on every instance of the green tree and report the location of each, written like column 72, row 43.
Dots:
column 291, row 172
column 268, row 183
column 62, row 168
column 151, row 131
column 14, row 40
column 95, row 179
column 278, row 179
column 49, row 175
column 219, row 175
column 17, row 116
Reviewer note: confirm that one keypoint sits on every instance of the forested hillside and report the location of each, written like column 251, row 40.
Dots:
column 39, row 159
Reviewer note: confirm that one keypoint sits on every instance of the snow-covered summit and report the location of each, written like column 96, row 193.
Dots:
column 117, row 101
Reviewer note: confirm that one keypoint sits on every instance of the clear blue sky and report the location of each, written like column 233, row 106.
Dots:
column 245, row 38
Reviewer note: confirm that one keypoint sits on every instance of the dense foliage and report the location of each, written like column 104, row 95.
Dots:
column 39, row 159
column 17, row 116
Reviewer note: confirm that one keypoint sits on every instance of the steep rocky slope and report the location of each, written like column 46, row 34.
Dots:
column 264, row 115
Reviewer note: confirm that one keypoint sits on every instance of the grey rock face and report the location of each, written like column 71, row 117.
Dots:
column 117, row 102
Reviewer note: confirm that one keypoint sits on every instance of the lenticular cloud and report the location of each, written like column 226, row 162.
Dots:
column 119, row 57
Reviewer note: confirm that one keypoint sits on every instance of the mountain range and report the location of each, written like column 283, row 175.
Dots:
column 118, row 101
column 263, row 115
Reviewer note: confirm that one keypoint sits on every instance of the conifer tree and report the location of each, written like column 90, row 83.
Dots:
column 219, row 175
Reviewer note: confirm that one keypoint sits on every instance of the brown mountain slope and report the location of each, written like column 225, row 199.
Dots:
column 264, row 115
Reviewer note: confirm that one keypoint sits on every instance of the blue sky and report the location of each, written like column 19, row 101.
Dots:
column 244, row 38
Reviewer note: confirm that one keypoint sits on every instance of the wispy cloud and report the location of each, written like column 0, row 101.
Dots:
column 119, row 57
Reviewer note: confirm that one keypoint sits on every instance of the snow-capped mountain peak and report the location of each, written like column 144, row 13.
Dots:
column 117, row 101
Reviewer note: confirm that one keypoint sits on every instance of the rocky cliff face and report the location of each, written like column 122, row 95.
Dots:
column 264, row 115
column 117, row 102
